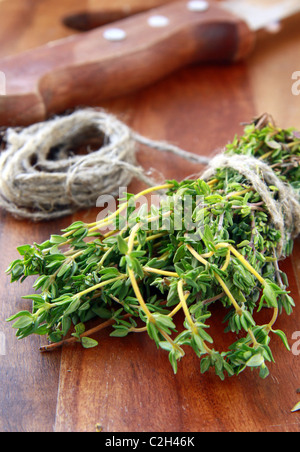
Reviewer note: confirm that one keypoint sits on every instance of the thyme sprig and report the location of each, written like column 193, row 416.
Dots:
column 137, row 278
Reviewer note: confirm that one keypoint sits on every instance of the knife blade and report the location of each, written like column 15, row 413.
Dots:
column 258, row 16
column 113, row 60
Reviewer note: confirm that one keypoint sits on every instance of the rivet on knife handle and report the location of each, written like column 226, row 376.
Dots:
column 84, row 69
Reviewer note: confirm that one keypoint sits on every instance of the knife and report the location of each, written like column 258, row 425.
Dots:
column 84, row 21
column 119, row 58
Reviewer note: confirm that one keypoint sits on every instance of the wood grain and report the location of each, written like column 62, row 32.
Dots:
column 274, row 59
column 126, row 385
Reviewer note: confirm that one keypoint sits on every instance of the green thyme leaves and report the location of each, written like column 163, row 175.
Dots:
column 205, row 244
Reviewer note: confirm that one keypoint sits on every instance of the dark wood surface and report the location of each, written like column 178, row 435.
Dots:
column 126, row 385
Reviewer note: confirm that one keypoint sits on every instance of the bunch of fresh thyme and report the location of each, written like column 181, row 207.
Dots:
column 153, row 264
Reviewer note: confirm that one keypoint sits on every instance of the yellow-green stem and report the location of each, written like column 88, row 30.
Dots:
column 158, row 271
column 138, row 294
column 229, row 294
column 108, row 220
column 98, row 286
column 219, row 279
column 184, row 306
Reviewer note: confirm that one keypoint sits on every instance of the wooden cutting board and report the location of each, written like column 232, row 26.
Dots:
column 126, row 385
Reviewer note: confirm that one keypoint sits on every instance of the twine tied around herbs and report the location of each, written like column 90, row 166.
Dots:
column 284, row 211
column 40, row 179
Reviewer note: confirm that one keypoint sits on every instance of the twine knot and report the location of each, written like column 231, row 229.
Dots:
column 284, row 211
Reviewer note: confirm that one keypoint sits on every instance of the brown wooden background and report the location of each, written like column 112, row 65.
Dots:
column 126, row 385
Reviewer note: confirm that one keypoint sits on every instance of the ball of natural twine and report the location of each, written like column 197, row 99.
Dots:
column 41, row 179
column 36, row 185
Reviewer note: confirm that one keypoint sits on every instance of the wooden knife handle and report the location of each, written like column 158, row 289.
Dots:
column 87, row 20
column 84, row 69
